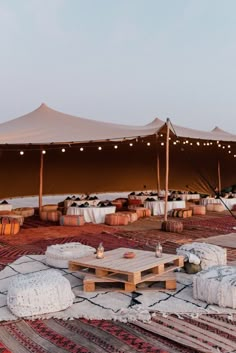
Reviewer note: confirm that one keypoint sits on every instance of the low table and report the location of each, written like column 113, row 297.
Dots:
column 144, row 267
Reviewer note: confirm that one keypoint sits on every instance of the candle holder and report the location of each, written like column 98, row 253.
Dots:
column 158, row 250
column 100, row 251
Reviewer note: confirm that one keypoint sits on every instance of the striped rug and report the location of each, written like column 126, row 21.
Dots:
column 209, row 333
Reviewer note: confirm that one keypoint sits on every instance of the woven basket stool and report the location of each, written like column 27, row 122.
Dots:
column 132, row 215
column 215, row 207
column 24, row 211
column 143, row 212
column 72, row 220
column 39, row 293
column 198, row 210
column 217, row 285
column 53, row 216
column 172, row 226
column 51, row 207
column 116, row 219
column 58, row 255
column 209, row 254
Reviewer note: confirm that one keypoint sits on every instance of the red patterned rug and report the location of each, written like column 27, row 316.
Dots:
column 209, row 333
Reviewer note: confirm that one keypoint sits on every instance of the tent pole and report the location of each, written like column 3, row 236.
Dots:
column 158, row 175
column 219, row 177
column 167, row 168
column 41, row 180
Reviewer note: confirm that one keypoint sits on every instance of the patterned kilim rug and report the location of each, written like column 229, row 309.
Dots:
column 213, row 333
column 107, row 305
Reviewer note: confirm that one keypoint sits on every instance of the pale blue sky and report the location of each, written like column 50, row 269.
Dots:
column 122, row 61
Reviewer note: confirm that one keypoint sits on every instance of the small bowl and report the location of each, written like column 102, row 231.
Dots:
column 129, row 255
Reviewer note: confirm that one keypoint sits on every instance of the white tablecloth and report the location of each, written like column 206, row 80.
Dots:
column 68, row 203
column 225, row 202
column 5, row 207
column 158, row 207
column 187, row 197
column 141, row 198
column 92, row 214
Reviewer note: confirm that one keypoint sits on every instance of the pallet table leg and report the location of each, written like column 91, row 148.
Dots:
column 179, row 262
column 101, row 273
column 159, row 269
column 130, row 287
column 89, row 287
column 171, row 284
column 134, row 277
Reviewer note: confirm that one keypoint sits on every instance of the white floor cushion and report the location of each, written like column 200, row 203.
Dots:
column 58, row 255
column 209, row 255
column 39, row 293
column 216, row 285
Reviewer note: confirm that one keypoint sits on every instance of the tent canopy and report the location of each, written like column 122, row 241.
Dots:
column 131, row 165
column 45, row 126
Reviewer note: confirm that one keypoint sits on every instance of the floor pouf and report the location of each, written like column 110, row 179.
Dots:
column 72, row 220
column 58, row 255
column 116, row 219
column 217, row 285
column 198, row 210
column 39, row 293
column 24, row 211
column 172, row 226
column 209, row 254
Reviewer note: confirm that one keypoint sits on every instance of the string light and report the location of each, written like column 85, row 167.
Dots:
column 229, row 146
column 148, row 144
column 162, row 143
column 21, row 153
column 63, row 150
column 223, row 147
column 43, row 152
column 131, row 144
column 81, row 149
column 174, row 143
column 99, row 148
column 229, row 151
column 198, row 143
column 219, row 145
column 115, row 147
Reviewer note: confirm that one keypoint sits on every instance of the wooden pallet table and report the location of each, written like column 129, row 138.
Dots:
column 92, row 283
column 145, row 266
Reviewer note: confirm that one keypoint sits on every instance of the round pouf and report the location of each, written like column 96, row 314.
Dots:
column 39, row 293
column 58, row 255
column 172, row 226
column 24, row 211
column 198, row 210
column 209, row 254
column 217, row 285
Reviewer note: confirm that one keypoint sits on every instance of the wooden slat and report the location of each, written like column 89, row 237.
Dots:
column 91, row 283
column 143, row 266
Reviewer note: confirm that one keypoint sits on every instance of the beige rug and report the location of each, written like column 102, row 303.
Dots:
column 225, row 240
column 139, row 305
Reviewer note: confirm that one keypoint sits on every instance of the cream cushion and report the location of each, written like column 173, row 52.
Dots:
column 39, row 293
column 217, row 285
column 60, row 254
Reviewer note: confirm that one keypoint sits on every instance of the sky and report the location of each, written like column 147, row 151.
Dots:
column 121, row 61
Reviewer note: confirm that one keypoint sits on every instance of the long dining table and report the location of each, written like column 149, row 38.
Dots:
column 158, row 207
column 92, row 214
